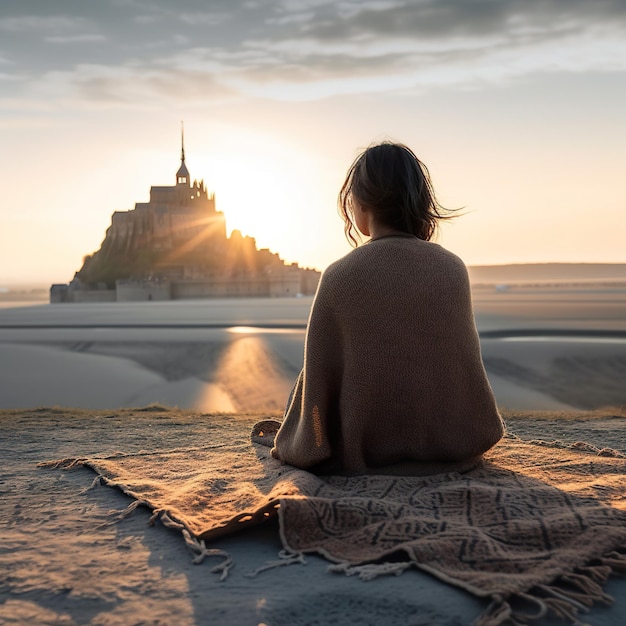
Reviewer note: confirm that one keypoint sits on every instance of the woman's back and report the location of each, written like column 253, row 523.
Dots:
column 392, row 362
column 392, row 366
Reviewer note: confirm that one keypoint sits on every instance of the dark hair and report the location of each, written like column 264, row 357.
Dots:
column 389, row 180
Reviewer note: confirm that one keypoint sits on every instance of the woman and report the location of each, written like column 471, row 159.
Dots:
column 393, row 380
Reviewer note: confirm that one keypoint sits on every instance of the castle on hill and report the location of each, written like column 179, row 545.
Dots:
column 175, row 246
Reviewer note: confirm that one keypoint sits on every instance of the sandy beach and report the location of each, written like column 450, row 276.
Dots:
column 556, row 361
column 545, row 349
column 65, row 561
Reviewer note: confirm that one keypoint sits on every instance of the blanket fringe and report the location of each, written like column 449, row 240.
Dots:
column 590, row 589
column 165, row 519
column 370, row 571
column 64, row 464
column 563, row 609
column 497, row 613
column 198, row 548
column 201, row 551
column 616, row 561
column 599, row 573
column 568, row 596
column 96, row 482
column 118, row 516
column 500, row 612
column 285, row 557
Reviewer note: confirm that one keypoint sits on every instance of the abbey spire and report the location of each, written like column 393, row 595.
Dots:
column 182, row 176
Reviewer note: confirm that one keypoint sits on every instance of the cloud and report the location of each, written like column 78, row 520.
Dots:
column 453, row 18
column 399, row 44
column 37, row 23
column 204, row 18
column 70, row 39
column 130, row 87
column 10, row 77
column 304, row 49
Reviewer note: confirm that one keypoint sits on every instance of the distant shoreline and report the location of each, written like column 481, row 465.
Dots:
column 11, row 300
column 551, row 283
column 482, row 288
column 548, row 272
column 516, row 277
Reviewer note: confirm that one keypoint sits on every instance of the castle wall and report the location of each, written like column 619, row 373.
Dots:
column 59, row 293
column 283, row 284
column 93, row 295
column 221, row 288
column 140, row 291
column 309, row 279
column 286, row 285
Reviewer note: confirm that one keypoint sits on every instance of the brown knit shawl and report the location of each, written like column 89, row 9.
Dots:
column 393, row 374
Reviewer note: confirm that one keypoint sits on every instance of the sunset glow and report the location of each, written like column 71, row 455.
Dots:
column 518, row 114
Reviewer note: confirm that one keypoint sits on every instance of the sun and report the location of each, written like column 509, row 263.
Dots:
column 267, row 188
column 258, row 195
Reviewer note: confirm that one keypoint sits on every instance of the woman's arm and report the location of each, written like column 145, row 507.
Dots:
column 304, row 438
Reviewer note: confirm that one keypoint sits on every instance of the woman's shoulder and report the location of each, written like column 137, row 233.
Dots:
column 400, row 265
column 394, row 250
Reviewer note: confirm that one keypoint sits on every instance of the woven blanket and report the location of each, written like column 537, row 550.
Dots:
column 537, row 528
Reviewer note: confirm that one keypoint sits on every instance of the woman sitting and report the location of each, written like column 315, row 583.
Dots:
column 393, row 379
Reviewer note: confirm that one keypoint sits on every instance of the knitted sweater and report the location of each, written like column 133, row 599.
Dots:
column 392, row 365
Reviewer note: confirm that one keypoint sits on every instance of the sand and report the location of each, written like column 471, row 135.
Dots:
column 243, row 355
column 62, row 562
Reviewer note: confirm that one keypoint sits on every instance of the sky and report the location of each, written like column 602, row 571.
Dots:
column 516, row 107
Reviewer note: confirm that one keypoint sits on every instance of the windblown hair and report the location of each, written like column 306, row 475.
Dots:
column 389, row 180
